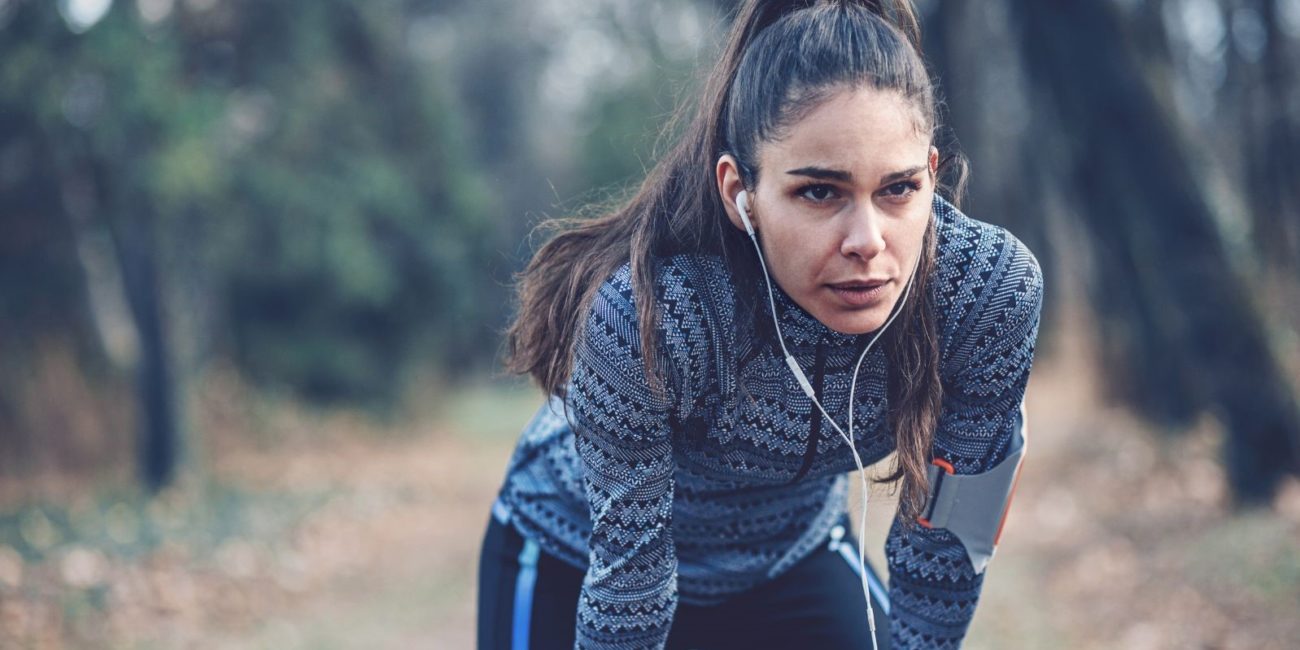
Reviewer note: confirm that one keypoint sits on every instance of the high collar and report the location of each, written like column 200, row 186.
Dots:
column 801, row 328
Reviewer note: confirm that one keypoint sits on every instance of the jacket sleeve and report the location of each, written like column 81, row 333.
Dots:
column 933, row 587
column 629, row 593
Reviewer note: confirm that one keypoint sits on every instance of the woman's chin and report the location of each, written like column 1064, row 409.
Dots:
column 851, row 321
column 853, row 324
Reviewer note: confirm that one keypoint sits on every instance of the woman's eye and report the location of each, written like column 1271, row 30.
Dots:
column 817, row 193
column 901, row 189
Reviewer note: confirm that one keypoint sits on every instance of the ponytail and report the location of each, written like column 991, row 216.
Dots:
column 754, row 17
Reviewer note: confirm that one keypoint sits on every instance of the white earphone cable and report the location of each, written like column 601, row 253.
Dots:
column 741, row 203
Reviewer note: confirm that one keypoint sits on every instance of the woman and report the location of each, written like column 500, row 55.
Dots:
column 695, row 497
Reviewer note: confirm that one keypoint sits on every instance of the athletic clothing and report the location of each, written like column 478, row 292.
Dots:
column 528, row 599
column 730, row 477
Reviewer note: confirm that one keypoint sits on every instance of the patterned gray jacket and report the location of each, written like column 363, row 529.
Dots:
column 731, row 476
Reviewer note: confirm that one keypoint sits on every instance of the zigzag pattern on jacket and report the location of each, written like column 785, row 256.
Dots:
column 730, row 476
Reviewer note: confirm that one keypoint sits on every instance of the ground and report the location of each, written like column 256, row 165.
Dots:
column 333, row 532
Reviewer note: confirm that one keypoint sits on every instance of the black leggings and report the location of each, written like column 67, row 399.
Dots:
column 817, row 603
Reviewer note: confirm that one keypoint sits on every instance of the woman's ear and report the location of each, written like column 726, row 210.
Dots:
column 934, row 160
column 729, row 187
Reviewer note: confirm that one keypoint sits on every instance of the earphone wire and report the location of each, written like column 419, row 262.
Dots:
column 807, row 388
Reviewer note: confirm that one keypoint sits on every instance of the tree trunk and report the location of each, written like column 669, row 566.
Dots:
column 1183, row 323
column 159, row 442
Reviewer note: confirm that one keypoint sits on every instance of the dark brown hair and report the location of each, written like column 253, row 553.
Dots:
column 781, row 59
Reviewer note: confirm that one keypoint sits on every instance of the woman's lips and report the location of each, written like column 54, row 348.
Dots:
column 857, row 294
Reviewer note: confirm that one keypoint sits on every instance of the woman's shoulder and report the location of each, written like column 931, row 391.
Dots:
column 702, row 279
column 693, row 293
column 985, row 280
column 689, row 287
column 695, row 311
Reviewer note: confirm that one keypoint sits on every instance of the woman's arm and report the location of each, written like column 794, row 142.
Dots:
column 933, row 586
column 629, row 594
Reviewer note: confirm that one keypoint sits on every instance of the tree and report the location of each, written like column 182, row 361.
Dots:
column 1184, row 332
column 283, row 185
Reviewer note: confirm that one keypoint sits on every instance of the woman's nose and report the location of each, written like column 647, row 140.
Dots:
column 863, row 236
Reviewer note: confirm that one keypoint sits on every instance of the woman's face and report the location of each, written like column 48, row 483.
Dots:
column 842, row 203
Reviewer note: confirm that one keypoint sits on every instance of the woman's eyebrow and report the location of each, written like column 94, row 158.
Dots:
column 840, row 175
column 823, row 173
column 911, row 171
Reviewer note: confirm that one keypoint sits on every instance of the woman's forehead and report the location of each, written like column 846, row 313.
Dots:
column 857, row 131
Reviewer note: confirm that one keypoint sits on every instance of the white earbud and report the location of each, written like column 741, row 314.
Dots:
column 742, row 205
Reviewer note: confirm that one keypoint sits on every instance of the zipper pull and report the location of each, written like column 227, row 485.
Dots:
column 837, row 534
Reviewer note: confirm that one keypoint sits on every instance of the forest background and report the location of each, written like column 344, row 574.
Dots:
column 256, row 259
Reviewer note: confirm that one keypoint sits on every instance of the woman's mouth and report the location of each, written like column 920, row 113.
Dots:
column 860, row 294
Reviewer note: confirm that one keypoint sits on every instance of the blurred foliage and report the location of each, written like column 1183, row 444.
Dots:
column 295, row 149
column 329, row 186
column 67, row 571
column 331, row 196
column 127, row 525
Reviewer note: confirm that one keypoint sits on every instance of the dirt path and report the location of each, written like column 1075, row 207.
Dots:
column 1115, row 540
